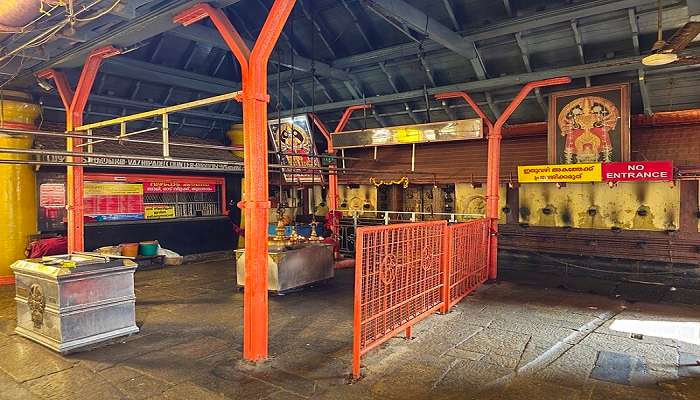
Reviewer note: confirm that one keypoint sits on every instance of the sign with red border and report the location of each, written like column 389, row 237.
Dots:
column 178, row 187
column 638, row 171
column 52, row 195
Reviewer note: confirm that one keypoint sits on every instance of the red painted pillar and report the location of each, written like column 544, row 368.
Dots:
column 494, row 157
column 256, row 202
column 494, row 166
column 74, row 103
column 332, row 176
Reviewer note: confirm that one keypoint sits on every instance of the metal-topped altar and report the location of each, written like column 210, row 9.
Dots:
column 71, row 301
column 294, row 261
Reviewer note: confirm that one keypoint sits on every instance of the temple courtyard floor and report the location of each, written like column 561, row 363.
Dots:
column 506, row 341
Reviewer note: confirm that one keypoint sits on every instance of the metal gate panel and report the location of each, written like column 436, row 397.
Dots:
column 399, row 275
column 467, row 250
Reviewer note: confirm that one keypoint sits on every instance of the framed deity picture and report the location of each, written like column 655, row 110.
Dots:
column 589, row 125
column 293, row 138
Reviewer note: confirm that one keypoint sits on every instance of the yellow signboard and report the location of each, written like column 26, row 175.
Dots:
column 560, row 173
column 158, row 212
column 112, row 189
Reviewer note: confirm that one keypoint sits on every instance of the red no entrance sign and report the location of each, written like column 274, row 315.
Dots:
column 638, row 171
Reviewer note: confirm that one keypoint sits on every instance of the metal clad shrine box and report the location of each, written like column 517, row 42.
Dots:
column 69, row 308
column 291, row 269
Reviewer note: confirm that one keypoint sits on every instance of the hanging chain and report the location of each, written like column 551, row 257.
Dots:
column 313, row 110
column 421, row 55
column 280, row 210
column 293, row 159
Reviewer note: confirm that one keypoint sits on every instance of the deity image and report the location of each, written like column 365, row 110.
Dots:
column 295, row 140
column 586, row 124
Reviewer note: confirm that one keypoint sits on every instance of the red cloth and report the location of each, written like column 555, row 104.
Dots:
column 333, row 219
column 336, row 245
column 48, row 247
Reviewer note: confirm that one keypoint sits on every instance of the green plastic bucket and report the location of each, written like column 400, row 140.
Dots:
column 148, row 249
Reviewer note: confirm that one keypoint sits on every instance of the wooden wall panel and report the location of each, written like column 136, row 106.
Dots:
column 465, row 161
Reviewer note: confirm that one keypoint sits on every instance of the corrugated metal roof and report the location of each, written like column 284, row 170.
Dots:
column 349, row 30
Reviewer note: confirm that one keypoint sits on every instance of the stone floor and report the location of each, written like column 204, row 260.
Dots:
column 504, row 342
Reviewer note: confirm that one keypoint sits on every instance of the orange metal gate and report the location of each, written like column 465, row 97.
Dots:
column 406, row 272
column 467, row 250
column 398, row 281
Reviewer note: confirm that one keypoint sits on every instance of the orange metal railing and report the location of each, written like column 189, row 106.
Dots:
column 406, row 272
column 467, row 261
column 398, row 281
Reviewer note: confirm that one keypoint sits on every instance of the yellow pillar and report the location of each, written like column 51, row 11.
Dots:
column 18, row 209
column 235, row 134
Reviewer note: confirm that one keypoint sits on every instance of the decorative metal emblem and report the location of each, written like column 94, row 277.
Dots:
column 387, row 269
column 427, row 257
column 37, row 304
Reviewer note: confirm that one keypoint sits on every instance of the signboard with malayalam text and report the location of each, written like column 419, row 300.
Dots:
column 178, row 187
column 159, row 212
column 559, row 173
column 638, row 171
column 110, row 201
column 432, row 132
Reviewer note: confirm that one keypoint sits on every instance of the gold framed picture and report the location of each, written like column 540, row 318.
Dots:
column 293, row 138
column 589, row 125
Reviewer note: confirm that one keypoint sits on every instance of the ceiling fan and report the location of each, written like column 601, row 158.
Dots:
column 666, row 52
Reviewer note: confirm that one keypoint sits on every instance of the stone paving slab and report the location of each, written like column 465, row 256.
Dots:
column 229, row 382
column 530, row 389
column 607, row 390
column 572, row 369
column 620, row 368
column 501, row 347
column 189, row 391
column 12, row 390
column 24, row 360
column 123, row 349
column 74, row 383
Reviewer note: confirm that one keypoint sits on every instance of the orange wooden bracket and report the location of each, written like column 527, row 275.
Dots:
column 470, row 101
column 74, row 102
column 62, row 86
column 494, row 166
column 346, row 116
column 324, row 131
column 332, row 177
column 228, row 32
column 494, row 154
column 88, row 75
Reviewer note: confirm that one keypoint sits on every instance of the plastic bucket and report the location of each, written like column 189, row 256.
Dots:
column 129, row 249
column 148, row 249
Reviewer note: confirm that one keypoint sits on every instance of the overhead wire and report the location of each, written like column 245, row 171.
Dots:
column 100, row 14
column 37, row 38
column 48, row 33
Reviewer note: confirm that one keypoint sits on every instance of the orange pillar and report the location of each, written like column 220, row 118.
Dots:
column 494, row 157
column 74, row 103
column 332, row 176
column 256, row 202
